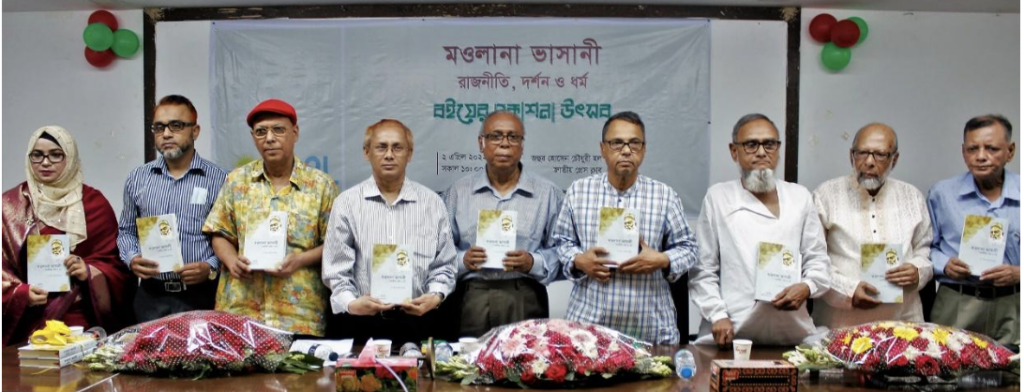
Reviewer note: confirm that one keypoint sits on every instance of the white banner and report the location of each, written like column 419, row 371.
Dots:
column 441, row 77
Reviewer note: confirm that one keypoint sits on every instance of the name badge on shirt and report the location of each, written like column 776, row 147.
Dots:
column 198, row 195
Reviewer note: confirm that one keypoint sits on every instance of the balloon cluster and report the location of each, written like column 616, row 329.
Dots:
column 838, row 36
column 104, row 41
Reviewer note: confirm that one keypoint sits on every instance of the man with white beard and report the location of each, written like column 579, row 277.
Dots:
column 868, row 207
column 736, row 217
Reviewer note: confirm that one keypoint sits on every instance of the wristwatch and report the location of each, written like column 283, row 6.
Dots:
column 213, row 274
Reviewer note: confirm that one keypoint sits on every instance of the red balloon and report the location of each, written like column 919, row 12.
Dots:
column 99, row 59
column 821, row 27
column 846, row 33
column 104, row 17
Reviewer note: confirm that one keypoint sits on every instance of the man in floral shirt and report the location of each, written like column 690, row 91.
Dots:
column 291, row 296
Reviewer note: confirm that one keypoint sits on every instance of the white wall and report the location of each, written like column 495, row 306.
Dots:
column 925, row 74
column 182, row 67
column 48, row 82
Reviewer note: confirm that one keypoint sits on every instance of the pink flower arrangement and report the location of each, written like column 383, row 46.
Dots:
column 899, row 348
column 545, row 352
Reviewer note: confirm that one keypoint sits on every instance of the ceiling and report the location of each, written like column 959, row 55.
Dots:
column 982, row 6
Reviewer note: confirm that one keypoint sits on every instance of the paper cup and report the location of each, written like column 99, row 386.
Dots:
column 383, row 348
column 741, row 349
column 468, row 345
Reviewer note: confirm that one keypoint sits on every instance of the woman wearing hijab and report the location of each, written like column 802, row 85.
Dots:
column 54, row 200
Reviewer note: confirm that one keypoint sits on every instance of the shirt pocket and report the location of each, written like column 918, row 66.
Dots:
column 192, row 216
column 530, row 234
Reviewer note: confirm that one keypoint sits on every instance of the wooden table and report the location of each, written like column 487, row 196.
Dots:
column 76, row 379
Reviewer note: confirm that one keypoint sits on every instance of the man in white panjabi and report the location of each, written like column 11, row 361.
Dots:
column 869, row 207
column 738, row 215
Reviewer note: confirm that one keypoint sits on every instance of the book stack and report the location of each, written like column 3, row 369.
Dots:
column 43, row 356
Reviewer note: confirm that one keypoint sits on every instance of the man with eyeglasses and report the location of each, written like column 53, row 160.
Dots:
column 632, row 297
column 391, row 210
column 182, row 183
column 736, row 219
column 289, row 296
column 869, row 207
column 495, row 297
column 986, row 301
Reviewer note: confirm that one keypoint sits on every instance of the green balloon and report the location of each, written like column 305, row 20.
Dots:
column 98, row 37
column 835, row 58
column 126, row 43
column 863, row 27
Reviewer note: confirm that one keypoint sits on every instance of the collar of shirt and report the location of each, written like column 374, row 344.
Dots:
column 1011, row 188
column 866, row 197
column 525, row 185
column 160, row 165
column 745, row 200
column 371, row 191
column 298, row 173
column 641, row 180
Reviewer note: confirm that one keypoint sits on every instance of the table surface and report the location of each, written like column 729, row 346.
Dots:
column 73, row 378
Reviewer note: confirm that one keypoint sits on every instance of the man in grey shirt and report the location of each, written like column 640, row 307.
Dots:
column 388, row 209
column 515, row 292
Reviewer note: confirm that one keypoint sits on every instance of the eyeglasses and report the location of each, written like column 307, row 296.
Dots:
column 383, row 149
column 175, row 126
column 496, row 138
column 262, row 132
column 751, row 146
column 38, row 157
column 617, row 144
column 861, row 155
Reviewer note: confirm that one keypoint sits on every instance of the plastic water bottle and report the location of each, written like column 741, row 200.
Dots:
column 442, row 351
column 686, row 366
column 315, row 349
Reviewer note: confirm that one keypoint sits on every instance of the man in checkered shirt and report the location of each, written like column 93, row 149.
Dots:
column 632, row 297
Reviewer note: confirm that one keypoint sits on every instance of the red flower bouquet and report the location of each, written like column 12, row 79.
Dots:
column 194, row 344
column 905, row 349
column 536, row 353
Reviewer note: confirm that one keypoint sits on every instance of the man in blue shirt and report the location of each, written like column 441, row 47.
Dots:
column 495, row 297
column 178, row 182
column 988, row 301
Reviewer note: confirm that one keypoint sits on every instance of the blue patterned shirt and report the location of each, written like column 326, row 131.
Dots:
column 952, row 199
column 150, row 190
column 637, row 305
column 536, row 202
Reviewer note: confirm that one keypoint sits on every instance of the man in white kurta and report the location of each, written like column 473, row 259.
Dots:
column 870, row 207
column 736, row 217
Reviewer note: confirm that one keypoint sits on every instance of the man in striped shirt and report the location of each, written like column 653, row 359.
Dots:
column 495, row 297
column 632, row 297
column 388, row 209
column 181, row 183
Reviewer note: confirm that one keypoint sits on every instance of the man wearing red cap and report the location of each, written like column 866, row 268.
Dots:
column 290, row 295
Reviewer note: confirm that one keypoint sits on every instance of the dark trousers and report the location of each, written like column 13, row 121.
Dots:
column 492, row 303
column 393, row 324
column 155, row 299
